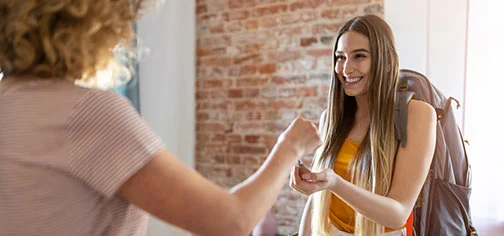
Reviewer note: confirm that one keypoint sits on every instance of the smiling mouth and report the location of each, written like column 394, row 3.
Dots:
column 353, row 80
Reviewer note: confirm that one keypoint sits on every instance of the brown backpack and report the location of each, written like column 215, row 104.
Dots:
column 443, row 205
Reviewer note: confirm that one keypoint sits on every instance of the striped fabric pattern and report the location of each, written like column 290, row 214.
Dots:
column 64, row 153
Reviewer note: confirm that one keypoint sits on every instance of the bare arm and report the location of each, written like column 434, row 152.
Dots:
column 411, row 167
column 176, row 194
column 305, row 224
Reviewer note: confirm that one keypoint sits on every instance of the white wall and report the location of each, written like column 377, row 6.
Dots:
column 485, row 112
column 431, row 37
column 167, row 79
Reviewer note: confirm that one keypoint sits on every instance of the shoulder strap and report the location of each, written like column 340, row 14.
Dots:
column 403, row 97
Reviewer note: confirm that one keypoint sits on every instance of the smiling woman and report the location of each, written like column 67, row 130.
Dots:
column 363, row 183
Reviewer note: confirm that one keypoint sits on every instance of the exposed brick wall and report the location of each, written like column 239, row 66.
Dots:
column 261, row 63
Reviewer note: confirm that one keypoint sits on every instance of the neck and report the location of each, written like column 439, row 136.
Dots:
column 362, row 108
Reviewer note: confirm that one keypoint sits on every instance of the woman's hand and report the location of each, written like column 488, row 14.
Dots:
column 301, row 136
column 307, row 182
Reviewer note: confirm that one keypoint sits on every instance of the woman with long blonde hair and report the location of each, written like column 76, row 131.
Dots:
column 81, row 161
column 362, row 182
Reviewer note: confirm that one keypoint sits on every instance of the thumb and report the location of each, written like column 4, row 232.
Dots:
column 315, row 176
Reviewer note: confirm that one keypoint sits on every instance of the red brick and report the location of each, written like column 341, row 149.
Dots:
column 268, row 22
column 200, row 9
column 253, row 115
column 210, row 127
column 235, row 93
column 233, row 160
column 216, row 6
column 236, row 15
column 271, row 115
column 234, row 138
column 246, row 58
column 202, row 116
column 287, row 19
column 241, row 3
column 252, row 138
column 242, row 105
column 251, row 82
column 217, row 61
column 216, row 83
column 242, row 149
column 212, row 42
column 252, row 93
column 331, row 13
column 330, row 29
column 283, row 103
column 286, row 80
column 201, row 52
column 213, row 105
column 324, row 52
column 250, row 48
column 250, row 127
column 217, row 29
column 251, row 160
column 290, row 32
column 248, row 70
column 235, row 4
column 267, row 69
column 342, row 2
column 339, row 14
column 308, row 91
column 309, row 16
column 304, row 4
column 205, row 18
column 308, row 41
column 270, row 10
column 282, row 56
column 251, row 24
column 219, row 137
column 234, row 26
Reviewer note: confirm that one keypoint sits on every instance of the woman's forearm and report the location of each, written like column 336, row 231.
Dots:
column 382, row 210
column 258, row 193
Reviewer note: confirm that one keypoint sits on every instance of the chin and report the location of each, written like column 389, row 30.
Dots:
column 352, row 93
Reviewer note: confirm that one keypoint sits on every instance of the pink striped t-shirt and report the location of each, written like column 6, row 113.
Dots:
column 64, row 153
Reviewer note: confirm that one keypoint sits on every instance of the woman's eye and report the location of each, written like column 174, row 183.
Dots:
column 339, row 57
column 360, row 56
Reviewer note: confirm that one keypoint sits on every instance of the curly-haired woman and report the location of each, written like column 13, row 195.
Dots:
column 80, row 161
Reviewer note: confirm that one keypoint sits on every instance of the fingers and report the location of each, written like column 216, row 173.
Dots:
column 295, row 181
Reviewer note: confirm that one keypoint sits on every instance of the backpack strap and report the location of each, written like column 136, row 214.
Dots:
column 403, row 97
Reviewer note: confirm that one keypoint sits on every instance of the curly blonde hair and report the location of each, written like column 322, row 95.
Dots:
column 62, row 39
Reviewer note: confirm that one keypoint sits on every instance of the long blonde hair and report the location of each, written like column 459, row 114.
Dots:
column 372, row 167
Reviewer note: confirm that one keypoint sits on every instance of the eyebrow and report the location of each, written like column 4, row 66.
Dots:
column 354, row 51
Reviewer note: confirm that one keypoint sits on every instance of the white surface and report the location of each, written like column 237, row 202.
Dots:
column 485, row 112
column 431, row 39
column 167, row 78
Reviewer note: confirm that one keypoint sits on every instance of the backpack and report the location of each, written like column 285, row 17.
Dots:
column 442, row 207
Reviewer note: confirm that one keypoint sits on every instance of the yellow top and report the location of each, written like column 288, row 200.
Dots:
column 341, row 215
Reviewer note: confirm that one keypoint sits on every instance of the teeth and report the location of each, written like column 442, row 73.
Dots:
column 352, row 80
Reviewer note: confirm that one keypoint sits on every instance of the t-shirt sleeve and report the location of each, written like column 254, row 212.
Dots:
column 108, row 141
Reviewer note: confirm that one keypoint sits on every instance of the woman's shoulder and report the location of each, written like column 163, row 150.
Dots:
column 420, row 111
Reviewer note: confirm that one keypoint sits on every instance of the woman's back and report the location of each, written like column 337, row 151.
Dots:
column 65, row 151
